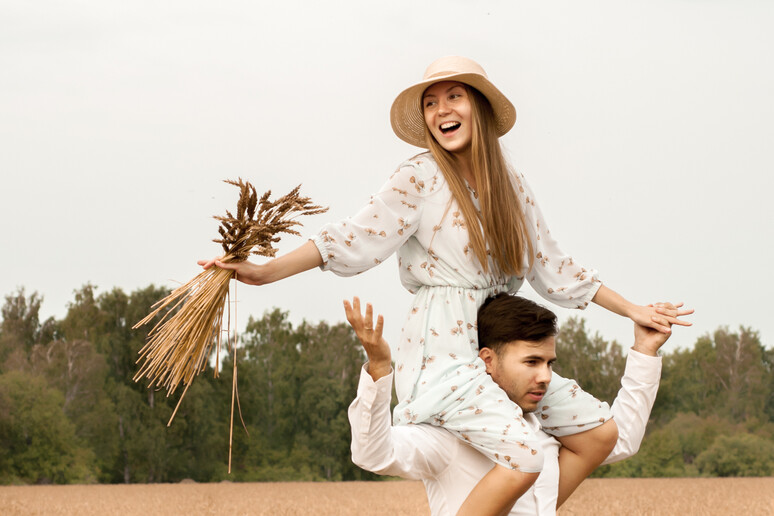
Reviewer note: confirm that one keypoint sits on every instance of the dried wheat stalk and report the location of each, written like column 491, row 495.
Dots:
column 180, row 343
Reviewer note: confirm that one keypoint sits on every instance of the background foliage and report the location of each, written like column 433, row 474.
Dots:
column 70, row 412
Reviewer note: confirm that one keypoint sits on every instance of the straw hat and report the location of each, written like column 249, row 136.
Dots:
column 406, row 115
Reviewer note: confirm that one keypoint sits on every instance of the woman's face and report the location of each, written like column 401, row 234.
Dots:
column 446, row 106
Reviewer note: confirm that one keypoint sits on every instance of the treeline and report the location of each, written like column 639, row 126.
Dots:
column 70, row 411
column 714, row 414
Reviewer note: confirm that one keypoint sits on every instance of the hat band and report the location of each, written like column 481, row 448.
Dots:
column 438, row 74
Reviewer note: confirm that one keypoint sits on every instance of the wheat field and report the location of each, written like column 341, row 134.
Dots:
column 706, row 496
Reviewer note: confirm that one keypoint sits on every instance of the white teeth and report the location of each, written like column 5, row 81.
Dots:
column 447, row 125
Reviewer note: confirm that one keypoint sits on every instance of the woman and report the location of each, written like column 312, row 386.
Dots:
column 465, row 227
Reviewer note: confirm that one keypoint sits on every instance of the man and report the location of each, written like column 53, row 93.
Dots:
column 522, row 367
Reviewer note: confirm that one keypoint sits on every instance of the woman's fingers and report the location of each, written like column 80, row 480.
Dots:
column 672, row 314
column 209, row 263
column 659, row 323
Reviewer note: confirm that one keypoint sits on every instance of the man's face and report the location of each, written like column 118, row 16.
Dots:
column 522, row 370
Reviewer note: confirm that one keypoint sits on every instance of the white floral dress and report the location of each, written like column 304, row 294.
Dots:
column 439, row 377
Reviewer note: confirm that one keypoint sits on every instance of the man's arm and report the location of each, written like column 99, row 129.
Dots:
column 632, row 406
column 639, row 386
column 411, row 451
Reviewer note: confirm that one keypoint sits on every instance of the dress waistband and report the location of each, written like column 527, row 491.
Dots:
column 500, row 286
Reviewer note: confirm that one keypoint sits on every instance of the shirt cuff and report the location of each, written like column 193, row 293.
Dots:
column 370, row 391
column 643, row 368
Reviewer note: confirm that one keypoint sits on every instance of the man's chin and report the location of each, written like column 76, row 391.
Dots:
column 528, row 407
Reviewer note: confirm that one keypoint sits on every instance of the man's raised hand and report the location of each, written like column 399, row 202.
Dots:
column 377, row 349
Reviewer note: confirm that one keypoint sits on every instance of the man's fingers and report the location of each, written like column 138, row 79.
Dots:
column 379, row 328
column 369, row 317
column 348, row 311
column 363, row 326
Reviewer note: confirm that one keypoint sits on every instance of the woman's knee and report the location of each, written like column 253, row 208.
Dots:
column 598, row 441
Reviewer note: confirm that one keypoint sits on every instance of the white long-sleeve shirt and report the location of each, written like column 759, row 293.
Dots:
column 450, row 469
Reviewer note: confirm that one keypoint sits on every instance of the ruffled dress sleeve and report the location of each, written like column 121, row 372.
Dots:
column 358, row 243
column 554, row 275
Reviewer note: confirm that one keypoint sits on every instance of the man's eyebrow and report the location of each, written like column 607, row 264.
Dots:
column 539, row 357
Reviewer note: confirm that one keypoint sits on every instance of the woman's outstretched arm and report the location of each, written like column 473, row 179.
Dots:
column 648, row 316
column 301, row 259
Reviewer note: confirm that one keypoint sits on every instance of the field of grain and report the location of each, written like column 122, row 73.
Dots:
column 709, row 496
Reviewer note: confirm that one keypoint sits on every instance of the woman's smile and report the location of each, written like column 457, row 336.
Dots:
column 447, row 111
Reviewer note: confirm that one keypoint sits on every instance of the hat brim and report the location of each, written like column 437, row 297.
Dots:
column 408, row 120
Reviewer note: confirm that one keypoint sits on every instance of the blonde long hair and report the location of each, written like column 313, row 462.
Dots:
column 502, row 218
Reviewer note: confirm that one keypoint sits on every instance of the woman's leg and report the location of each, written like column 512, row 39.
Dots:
column 582, row 424
column 496, row 493
column 581, row 454
column 481, row 414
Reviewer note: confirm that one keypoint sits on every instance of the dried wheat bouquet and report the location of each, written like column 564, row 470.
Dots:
column 180, row 343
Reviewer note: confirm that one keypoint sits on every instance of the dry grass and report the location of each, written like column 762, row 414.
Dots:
column 706, row 496
column 180, row 343
column 680, row 496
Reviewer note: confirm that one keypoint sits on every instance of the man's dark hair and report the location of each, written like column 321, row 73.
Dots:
column 504, row 318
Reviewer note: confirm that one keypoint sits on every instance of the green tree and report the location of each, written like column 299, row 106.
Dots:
column 597, row 365
column 21, row 329
column 76, row 370
column 726, row 374
column 328, row 371
column 295, row 386
column 684, row 384
column 739, row 372
column 768, row 361
column 660, row 455
column 739, row 455
column 39, row 442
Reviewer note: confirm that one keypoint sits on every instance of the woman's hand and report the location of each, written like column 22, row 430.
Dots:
column 246, row 272
column 300, row 259
column 660, row 316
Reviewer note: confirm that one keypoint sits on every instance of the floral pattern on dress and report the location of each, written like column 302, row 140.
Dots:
column 439, row 377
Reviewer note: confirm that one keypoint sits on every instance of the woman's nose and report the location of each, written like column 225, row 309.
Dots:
column 443, row 108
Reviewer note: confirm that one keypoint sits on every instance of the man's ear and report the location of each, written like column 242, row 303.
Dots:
column 489, row 357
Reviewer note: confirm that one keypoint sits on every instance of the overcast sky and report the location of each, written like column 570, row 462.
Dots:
column 645, row 129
